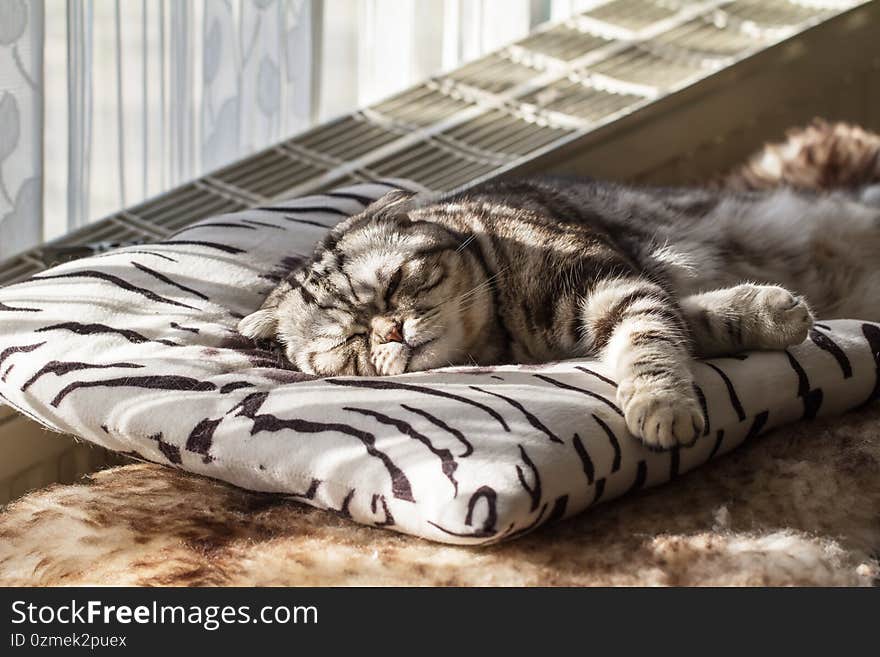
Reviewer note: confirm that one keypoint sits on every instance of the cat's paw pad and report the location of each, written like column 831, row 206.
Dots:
column 662, row 418
column 783, row 319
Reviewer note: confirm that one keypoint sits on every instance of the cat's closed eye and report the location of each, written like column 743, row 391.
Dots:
column 393, row 284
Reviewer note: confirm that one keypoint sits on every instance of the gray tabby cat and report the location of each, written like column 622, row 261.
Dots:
column 539, row 270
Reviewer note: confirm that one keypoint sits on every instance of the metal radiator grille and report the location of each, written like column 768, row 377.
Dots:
column 487, row 117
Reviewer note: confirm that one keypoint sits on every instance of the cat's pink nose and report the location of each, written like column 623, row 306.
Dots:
column 387, row 330
column 394, row 333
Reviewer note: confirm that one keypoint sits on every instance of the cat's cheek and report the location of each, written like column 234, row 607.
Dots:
column 422, row 361
column 437, row 353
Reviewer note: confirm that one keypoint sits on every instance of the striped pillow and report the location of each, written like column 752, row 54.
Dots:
column 136, row 350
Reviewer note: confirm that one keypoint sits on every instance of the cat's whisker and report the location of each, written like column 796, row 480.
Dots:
column 463, row 245
column 478, row 288
column 488, row 280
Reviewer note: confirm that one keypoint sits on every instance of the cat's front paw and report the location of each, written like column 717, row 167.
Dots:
column 389, row 359
column 781, row 320
column 661, row 417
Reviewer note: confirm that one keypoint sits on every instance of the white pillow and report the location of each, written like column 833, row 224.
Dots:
column 136, row 350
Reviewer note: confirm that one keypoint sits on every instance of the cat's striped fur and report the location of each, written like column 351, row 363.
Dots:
column 537, row 270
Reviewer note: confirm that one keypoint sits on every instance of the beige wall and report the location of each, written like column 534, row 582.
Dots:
column 33, row 456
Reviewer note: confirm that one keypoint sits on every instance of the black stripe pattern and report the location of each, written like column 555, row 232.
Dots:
column 136, row 350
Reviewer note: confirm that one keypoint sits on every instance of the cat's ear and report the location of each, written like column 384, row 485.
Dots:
column 390, row 200
column 388, row 206
column 260, row 325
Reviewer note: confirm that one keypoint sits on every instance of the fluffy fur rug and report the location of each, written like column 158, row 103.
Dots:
column 821, row 156
column 798, row 507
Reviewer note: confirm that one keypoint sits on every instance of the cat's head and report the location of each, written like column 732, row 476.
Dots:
column 386, row 292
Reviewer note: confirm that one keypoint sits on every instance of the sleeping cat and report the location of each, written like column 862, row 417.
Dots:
column 536, row 270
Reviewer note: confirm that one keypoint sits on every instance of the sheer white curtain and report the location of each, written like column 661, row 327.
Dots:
column 21, row 124
column 106, row 102
column 143, row 95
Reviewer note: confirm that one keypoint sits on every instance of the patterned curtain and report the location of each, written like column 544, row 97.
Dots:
column 21, row 124
column 139, row 96
column 256, row 76
column 145, row 95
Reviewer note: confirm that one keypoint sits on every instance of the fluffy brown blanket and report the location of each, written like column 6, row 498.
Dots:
column 798, row 507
